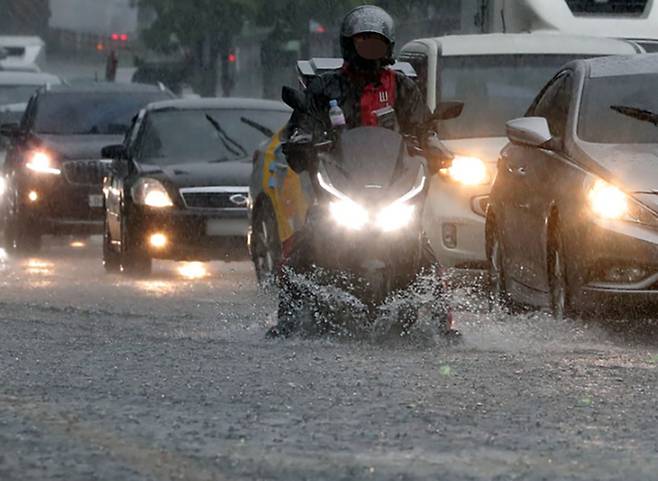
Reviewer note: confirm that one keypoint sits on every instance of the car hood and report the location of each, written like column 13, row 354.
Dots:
column 202, row 174
column 73, row 147
column 634, row 167
column 486, row 148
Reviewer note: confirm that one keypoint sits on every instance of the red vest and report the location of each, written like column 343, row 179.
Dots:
column 375, row 97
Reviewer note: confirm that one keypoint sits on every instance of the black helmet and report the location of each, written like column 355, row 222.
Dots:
column 363, row 20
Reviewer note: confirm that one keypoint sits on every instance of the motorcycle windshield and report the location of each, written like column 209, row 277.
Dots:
column 372, row 164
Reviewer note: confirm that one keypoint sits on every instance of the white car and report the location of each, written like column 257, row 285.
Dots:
column 496, row 76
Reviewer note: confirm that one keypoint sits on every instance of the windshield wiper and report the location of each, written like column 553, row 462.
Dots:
column 225, row 139
column 267, row 132
column 218, row 161
column 639, row 114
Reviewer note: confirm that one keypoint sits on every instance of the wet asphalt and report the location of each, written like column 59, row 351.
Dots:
column 104, row 377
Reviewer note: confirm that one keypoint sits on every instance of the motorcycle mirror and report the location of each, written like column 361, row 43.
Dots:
column 294, row 99
column 448, row 110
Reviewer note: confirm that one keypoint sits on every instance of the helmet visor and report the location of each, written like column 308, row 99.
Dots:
column 371, row 46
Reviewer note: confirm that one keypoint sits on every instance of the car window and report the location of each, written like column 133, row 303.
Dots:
column 494, row 89
column 553, row 104
column 214, row 135
column 620, row 110
column 14, row 94
column 100, row 113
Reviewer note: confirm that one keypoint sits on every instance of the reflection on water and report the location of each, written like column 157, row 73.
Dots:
column 3, row 255
column 193, row 270
column 39, row 266
column 156, row 287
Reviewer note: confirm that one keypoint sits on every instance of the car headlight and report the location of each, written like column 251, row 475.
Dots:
column 152, row 193
column 348, row 214
column 41, row 163
column 467, row 171
column 607, row 201
column 396, row 216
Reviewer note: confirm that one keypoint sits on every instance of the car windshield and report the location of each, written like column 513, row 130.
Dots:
column 15, row 94
column 494, row 89
column 75, row 113
column 620, row 110
column 209, row 135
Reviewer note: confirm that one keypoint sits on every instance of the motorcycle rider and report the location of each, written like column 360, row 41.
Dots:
column 363, row 87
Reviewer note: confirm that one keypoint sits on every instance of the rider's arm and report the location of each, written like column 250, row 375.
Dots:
column 412, row 110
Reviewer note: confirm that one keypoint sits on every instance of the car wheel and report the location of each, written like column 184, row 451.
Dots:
column 134, row 259
column 496, row 274
column 20, row 234
column 111, row 258
column 266, row 249
column 557, row 277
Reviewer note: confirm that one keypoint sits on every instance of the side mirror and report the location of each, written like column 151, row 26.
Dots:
column 448, row 110
column 294, row 99
column 116, row 152
column 10, row 130
column 529, row 131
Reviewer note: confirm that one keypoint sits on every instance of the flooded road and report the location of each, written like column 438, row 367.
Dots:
column 106, row 377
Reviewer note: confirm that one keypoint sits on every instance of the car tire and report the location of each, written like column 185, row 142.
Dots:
column 266, row 246
column 111, row 258
column 134, row 259
column 20, row 234
column 498, row 295
column 557, row 276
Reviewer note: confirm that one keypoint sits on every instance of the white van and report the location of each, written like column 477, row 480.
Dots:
column 628, row 19
column 496, row 76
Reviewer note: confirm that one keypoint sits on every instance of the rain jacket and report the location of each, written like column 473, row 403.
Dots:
column 358, row 96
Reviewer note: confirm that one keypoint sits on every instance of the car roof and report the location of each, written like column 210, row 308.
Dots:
column 621, row 65
column 218, row 103
column 8, row 77
column 106, row 87
column 529, row 43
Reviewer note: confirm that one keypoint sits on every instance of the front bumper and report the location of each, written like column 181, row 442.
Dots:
column 615, row 262
column 454, row 219
column 60, row 207
column 193, row 234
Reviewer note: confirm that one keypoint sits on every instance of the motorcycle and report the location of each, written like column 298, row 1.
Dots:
column 364, row 234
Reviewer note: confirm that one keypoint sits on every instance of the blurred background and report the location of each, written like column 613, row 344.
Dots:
column 210, row 47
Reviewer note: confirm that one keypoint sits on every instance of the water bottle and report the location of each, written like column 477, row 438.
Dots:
column 336, row 116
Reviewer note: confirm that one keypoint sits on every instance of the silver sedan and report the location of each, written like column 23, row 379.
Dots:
column 573, row 217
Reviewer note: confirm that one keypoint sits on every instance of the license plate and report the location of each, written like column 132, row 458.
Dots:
column 226, row 227
column 96, row 201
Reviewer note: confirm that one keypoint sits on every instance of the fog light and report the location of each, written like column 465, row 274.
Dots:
column 450, row 235
column 621, row 275
column 33, row 196
column 158, row 241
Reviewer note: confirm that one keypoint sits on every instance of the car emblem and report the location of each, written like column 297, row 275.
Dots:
column 240, row 200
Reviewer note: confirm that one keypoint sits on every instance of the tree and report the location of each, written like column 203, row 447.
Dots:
column 205, row 29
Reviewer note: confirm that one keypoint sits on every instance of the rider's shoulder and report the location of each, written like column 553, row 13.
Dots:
column 326, row 83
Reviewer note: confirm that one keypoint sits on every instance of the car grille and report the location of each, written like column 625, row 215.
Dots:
column 607, row 7
column 85, row 172
column 215, row 198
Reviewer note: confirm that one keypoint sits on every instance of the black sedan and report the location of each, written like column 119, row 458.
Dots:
column 573, row 218
column 53, row 170
column 178, row 187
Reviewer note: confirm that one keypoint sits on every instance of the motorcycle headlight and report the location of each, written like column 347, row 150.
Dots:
column 467, row 171
column 151, row 193
column 348, row 214
column 395, row 216
column 41, row 163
